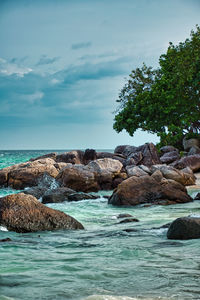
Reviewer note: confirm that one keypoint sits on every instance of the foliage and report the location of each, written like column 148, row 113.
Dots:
column 165, row 101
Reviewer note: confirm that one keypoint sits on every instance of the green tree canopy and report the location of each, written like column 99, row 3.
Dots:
column 165, row 101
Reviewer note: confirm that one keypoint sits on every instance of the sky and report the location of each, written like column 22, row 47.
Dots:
column 63, row 63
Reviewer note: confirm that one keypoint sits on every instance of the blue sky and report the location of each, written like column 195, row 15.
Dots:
column 63, row 63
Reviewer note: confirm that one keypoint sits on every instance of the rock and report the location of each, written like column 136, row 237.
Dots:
column 129, row 220
column 135, row 171
column 157, row 175
column 106, row 164
column 116, row 156
column 27, row 174
column 184, row 228
column 57, row 195
column 79, row 178
column 128, row 150
column 197, row 197
column 120, row 149
column 143, row 155
column 24, row 213
column 89, row 155
column 166, row 149
column 187, row 144
column 192, row 161
column 35, row 191
column 130, row 230
column 169, row 157
column 124, row 216
column 81, row 196
column 145, row 189
column 73, row 157
column 194, row 150
column 5, row 240
column 134, row 159
column 185, row 178
column 48, row 155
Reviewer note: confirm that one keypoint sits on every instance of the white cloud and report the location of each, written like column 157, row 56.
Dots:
column 7, row 68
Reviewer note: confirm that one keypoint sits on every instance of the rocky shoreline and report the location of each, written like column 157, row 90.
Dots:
column 136, row 175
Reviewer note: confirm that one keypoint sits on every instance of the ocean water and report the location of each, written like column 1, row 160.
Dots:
column 104, row 261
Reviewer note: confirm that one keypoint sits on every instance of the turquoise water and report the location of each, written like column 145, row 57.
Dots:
column 103, row 261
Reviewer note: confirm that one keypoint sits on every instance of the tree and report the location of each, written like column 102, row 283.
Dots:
column 165, row 101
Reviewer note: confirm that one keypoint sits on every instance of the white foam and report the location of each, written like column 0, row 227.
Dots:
column 3, row 228
column 112, row 297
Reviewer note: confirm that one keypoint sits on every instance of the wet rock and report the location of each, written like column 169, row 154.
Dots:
column 197, row 197
column 36, row 191
column 5, row 240
column 24, row 213
column 192, row 161
column 120, row 216
column 145, row 189
column 130, row 230
column 57, row 195
column 81, row 196
column 184, row 228
column 129, row 220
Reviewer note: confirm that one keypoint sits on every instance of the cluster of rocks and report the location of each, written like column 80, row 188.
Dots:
column 137, row 175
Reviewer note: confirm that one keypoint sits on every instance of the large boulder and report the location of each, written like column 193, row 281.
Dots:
column 28, row 174
column 169, row 157
column 108, row 164
column 79, row 178
column 24, row 213
column 185, row 176
column 184, row 228
column 192, row 161
column 143, row 155
column 146, row 189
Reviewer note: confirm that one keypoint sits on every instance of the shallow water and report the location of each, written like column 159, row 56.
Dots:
column 103, row 261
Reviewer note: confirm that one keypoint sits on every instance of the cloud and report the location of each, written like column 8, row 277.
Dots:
column 93, row 71
column 8, row 69
column 81, row 45
column 44, row 60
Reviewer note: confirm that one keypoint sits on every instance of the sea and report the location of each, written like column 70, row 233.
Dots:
column 106, row 261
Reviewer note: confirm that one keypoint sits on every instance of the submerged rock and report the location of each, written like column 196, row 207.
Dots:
column 24, row 213
column 128, row 220
column 57, row 195
column 146, row 189
column 184, row 228
column 5, row 240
